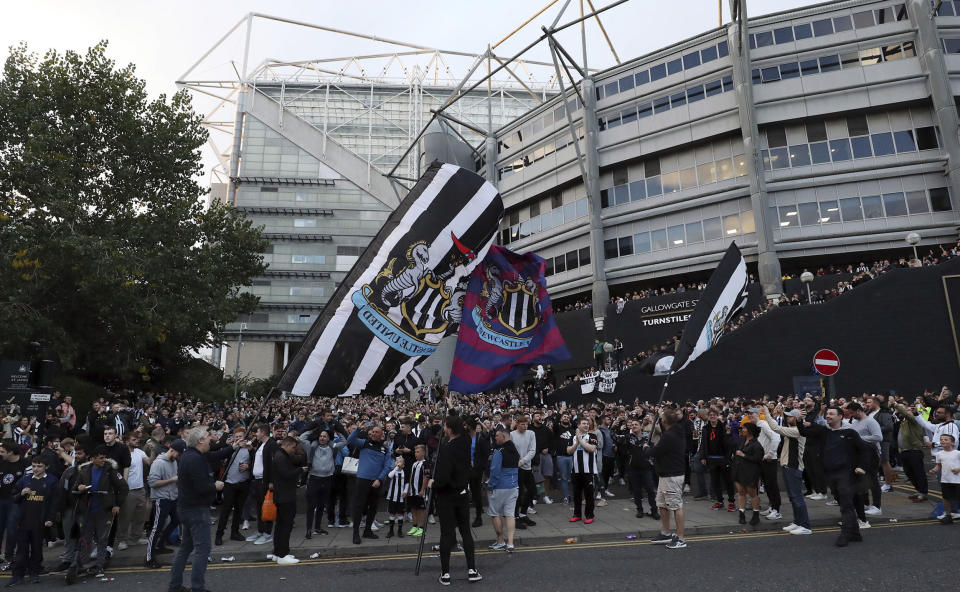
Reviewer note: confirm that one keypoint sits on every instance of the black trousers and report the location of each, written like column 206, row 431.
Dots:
column 608, row 463
column 476, row 490
column 338, row 492
column 528, row 491
column 769, row 469
column 234, row 496
column 286, row 512
column 913, row 467
column 641, row 481
column 454, row 514
column 813, row 464
column 159, row 533
column 29, row 551
column 582, row 493
column 365, row 500
column 317, row 488
column 841, row 484
column 720, row 479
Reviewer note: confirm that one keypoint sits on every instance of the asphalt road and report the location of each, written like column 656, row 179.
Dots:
column 893, row 557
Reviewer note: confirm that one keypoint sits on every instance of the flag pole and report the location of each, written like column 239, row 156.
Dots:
column 663, row 391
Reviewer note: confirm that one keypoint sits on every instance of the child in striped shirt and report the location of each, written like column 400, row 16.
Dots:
column 396, row 492
column 417, row 489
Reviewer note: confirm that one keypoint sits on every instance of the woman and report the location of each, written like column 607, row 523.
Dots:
column 746, row 471
column 582, row 448
column 449, row 485
column 23, row 434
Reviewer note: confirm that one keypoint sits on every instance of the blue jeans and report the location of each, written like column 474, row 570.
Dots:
column 794, row 480
column 9, row 517
column 195, row 533
column 564, row 468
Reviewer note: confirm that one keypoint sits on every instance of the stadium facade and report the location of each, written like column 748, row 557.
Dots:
column 825, row 131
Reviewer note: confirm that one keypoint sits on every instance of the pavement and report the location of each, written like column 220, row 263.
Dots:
column 614, row 522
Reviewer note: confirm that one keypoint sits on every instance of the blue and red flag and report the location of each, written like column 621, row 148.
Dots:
column 507, row 323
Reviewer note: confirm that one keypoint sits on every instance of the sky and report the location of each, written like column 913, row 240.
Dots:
column 163, row 39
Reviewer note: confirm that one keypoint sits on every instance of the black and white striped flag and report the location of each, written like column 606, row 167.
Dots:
column 405, row 292
column 724, row 297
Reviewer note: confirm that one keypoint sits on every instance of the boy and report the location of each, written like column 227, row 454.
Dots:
column 396, row 492
column 36, row 495
column 419, row 474
column 948, row 461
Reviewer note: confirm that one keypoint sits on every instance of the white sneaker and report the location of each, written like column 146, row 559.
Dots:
column 762, row 489
column 766, row 511
column 801, row 530
column 790, row 527
column 872, row 511
column 609, row 493
column 531, row 510
column 271, row 557
column 774, row 515
column 431, row 519
column 122, row 546
column 253, row 537
column 686, row 489
column 941, row 516
column 377, row 524
column 142, row 541
column 812, row 495
column 547, row 500
column 599, row 495
column 263, row 539
column 955, row 515
column 288, row 560
column 832, row 503
column 246, row 525
column 374, row 527
column 622, row 482
column 886, row 488
column 864, row 524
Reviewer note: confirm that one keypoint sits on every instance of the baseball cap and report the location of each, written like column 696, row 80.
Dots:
column 179, row 445
column 753, row 410
column 793, row 413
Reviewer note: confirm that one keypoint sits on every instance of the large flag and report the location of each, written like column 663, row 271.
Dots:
column 404, row 293
column 507, row 324
column 725, row 296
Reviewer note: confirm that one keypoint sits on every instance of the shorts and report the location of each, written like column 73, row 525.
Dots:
column 416, row 502
column 884, row 452
column 951, row 491
column 395, row 508
column 502, row 502
column 670, row 492
column 546, row 466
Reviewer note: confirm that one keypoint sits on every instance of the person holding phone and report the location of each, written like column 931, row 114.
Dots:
column 582, row 448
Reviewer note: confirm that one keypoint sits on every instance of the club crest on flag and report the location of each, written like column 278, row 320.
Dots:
column 509, row 312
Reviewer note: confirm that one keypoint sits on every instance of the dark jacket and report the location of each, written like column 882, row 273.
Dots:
column 111, row 482
column 633, row 446
column 286, row 474
column 856, row 453
column 195, row 483
column 714, row 440
column 41, row 505
column 481, row 453
column 669, row 455
column 453, row 467
column 269, row 451
column 746, row 468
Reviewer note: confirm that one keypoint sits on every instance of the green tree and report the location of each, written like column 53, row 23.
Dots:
column 107, row 251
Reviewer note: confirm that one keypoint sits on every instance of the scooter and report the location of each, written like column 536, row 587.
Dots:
column 81, row 565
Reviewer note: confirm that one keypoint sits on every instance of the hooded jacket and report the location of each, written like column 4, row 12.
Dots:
column 111, row 483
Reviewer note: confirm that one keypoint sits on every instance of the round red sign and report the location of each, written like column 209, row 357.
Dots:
column 826, row 362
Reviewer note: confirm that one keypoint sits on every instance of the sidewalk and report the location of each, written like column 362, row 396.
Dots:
column 615, row 521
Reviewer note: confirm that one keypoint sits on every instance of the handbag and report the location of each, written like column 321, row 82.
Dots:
column 350, row 465
column 268, row 512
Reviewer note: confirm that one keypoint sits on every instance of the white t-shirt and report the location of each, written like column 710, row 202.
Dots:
column 258, row 463
column 135, row 478
column 949, row 460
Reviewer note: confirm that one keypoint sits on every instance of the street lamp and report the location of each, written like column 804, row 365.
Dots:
column 807, row 279
column 912, row 239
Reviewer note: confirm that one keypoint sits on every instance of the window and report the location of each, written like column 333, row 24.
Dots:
column 657, row 72
column 740, row 165
column 776, row 136
column 927, row 138
column 872, row 207
column 819, row 153
column 850, row 59
column 548, row 267
column 727, row 83
column 722, row 49
column 783, row 35
column 857, row 125
column 842, row 23
column 917, row 202
column 658, row 238
column 628, row 115
column 731, row 225
column 671, row 182
column 870, row 57
column 894, row 204
column 884, row 15
column 712, row 229
column 799, row 155
column 951, row 45
column 653, row 187
column 641, row 242
column 621, row 194
column 581, row 207
column 861, row 147
column 676, row 236
column 695, row 94
column 305, row 222
column 560, row 263
column 301, row 196
column 779, row 158
column 691, row 60
column 823, row 27
column 707, row 173
column 708, row 54
column 904, row 141
column 688, row 178
column 829, row 63
column 611, row 89
column 605, row 198
column 850, row 209
column 788, row 216
column 840, row 149
column 678, row 100
column 802, row 31
column 674, row 66
column 610, row 248
column 641, row 78
column 613, row 120
column 862, row 20
column 946, row 9
column 789, row 70
column 626, row 83
column 694, row 232
column 638, row 191
column 809, row 213
column 644, row 110
column 829, row 212
column 764, row 39
column 756, row 76
column 314, row 259
column 816, row 131
column 651, row 167
column 908, row 49
column 940, row 199
column 882, row 144
column 747, row 223
column 662, row 104
column 572, row 262
column 809, row 67
column 724, row 169
column 713, row 88
column 891, row 52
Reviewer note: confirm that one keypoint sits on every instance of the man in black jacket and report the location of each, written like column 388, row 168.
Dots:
column 479, row 455
column 106, row 491
column 262, row 482
column 196, row 492
column 640, row 469
column 714, row 453
column 669, row 461
column 846, row 457
column 286, row 473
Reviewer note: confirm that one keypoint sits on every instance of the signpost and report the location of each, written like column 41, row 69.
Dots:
column 826, row 362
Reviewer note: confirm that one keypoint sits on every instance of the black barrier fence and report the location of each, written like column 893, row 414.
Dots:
column 893, row 333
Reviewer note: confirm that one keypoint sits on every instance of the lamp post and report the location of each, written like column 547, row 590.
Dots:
column 912, row 239
column 236, row 370
column 807, row 279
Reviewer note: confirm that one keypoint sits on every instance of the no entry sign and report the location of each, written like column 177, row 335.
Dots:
column 826, row 362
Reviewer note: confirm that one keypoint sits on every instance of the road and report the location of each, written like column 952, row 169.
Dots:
column 893, row 557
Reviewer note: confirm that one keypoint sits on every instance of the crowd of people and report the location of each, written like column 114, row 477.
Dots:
column 149, row 469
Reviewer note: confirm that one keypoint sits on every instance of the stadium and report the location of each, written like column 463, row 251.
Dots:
column 816, row 137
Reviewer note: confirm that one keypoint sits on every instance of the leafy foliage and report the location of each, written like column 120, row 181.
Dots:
column 107, row 251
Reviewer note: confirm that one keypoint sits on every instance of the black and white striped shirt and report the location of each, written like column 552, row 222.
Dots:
column 397, row 486
column 417, row 477
column 585, row 462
